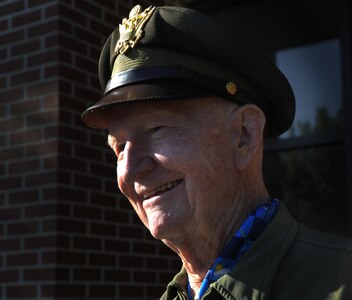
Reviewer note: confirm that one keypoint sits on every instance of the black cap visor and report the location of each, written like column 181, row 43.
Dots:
column 99, row 115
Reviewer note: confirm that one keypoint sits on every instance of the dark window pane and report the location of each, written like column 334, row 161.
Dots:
column 314, row 72
column 311, row 183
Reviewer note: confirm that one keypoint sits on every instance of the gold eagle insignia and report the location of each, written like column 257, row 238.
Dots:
column 131, row 29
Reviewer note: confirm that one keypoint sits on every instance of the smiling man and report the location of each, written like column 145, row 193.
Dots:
column 187, row 106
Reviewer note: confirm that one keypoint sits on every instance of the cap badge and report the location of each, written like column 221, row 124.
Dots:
column 231, row 88
column 131, row 29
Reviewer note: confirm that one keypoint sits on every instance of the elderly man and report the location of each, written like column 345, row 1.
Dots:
column 187, row 105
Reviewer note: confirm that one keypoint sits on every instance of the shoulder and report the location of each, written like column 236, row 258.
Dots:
column 323, row 240
column 317, row 250
column 318, row 263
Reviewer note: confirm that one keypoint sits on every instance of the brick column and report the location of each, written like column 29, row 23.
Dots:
column 65, row 231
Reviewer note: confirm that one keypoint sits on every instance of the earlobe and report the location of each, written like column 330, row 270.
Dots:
column 250, row 126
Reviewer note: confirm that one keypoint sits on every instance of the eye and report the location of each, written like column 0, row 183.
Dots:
column 157, row 128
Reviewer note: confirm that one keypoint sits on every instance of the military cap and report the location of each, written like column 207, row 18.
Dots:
column 163, row 53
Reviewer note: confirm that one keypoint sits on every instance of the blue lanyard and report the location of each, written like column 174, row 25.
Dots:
column 245, row 236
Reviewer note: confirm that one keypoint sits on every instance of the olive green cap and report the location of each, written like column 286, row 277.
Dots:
column 163, row 53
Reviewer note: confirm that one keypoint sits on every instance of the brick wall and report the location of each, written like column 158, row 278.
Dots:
column 65, row 231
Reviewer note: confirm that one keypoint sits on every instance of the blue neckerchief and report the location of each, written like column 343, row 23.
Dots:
column 245, row 236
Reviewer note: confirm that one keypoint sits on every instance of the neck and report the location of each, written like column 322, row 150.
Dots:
column 199, row 249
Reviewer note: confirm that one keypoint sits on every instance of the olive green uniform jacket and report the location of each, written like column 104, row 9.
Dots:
column 287, row 262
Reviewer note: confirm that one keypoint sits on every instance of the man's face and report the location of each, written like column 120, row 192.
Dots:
column 175, row 163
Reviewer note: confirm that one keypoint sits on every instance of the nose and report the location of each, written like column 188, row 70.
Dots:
column 135, row 163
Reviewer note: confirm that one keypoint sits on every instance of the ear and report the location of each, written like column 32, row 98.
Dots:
column 248, row 122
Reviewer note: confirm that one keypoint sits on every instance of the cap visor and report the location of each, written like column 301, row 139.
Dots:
column 99, row 115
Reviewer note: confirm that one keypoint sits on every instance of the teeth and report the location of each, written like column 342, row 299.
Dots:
column 161, row 188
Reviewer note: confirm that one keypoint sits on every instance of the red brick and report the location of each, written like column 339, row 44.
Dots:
column 144, row 276
column 116, row 216
column 25, row 77
column 12, row 153
column 48, row 177
column 12, row 7
column 64, row 257
column 131, row 232
column 46, row 274
column 21, row 197
column 101, row 28
column 10, row 214
column 72, row 14
column 72, row 103
column 51, row 131
column 73, row 163
column 51, row 102
column 41, row 149
column 117, row 275
column 67, row 43
column 40, row 242
column 87, row 274
column 86, row 64
column 11, row 124
column 117, row 246
column 23, row 228
column 46, row 210
column 64, row 225
column 144, row 248
column 130, row 261
column 87, row 243
column 103, row 199
column 42, row 58
column 25, row 136
column 84, row 212
column 68, row 194
column 3, row 53
column 12, row 95
column 102, row 259
column 63, row 290
column 43, row 28
column 22, row 259
column 21, row 291
column 9, row 276
column 73, row 134
column 157, row 263
column 10, row 37
column 26, row 18
column 130, row 291
column 53, row 10
column 10, row 244
column 86, row 182
column 42, row 118
column 51, row 162
column 102, row 229
column 43, row 89
column 26, row 106
column 10, row 183
column 4, row 24
column 24, row 166
column 102, row 290
column 12, row 65
column 87, row 93
column 50, row 241
column 25, row 47
column 34, row 3
column 90, row 8
column 3, row 82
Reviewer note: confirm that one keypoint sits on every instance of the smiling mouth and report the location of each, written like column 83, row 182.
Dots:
column 161, row 188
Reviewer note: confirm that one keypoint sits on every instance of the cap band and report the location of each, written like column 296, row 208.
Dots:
column 147, row 56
